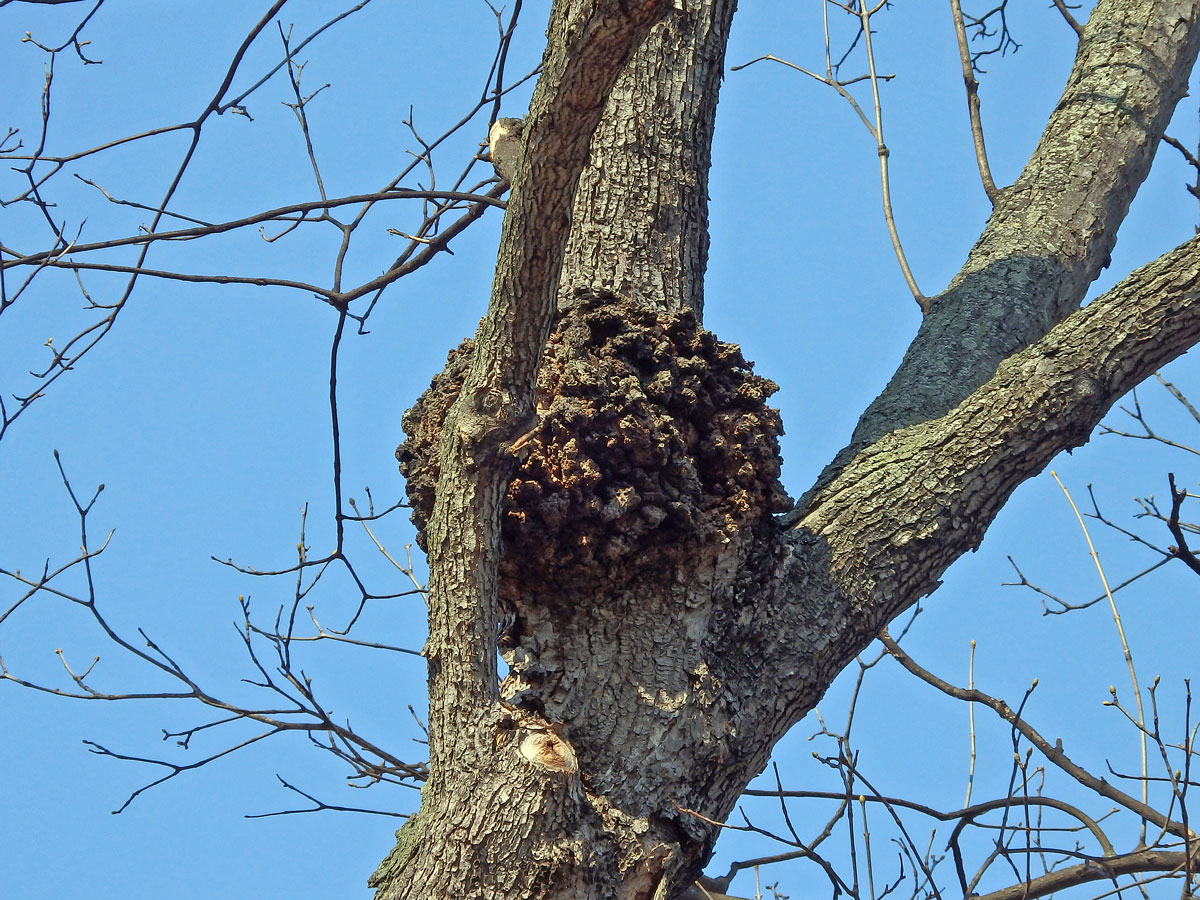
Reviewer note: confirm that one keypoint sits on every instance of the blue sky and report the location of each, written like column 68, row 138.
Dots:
column 204, row 412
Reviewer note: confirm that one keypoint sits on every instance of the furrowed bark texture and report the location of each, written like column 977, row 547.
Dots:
column 662, row 627
column 493, row 784
column 651, row 243
column 1051, row 232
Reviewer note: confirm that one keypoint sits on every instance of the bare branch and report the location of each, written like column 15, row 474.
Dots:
column 1181, row 549
column 1063, row 8
column 1107, row 869
column 301, row 710
column 282, row 213
column 874, row 126
column 1052, row 752
column 972, row 87
column 980, row 24
column 320, row 806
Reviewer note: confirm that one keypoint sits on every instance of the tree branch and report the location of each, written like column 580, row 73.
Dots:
column 972, row 86
column 1061, row 6
column 1052, row 230
column 1149, row 860
column 282, row 213
column 1053, row 752
column 879, row 537
column 1181, row 549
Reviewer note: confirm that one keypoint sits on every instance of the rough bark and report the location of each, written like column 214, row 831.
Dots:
column 651, row 243
column 528, row 831
column 662, row 627
column 1051, row 232
column 913, row 502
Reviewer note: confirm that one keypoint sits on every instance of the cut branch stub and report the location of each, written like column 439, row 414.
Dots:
column 652, row 433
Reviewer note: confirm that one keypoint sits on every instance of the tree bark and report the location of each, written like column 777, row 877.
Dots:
column 662, row 626
column 528, row 832
column 651, row 242
column 1051, row 231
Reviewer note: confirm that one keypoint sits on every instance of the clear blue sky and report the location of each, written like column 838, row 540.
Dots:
column 204, row 412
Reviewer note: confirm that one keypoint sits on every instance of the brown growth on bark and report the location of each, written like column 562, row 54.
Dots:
column 652, row 433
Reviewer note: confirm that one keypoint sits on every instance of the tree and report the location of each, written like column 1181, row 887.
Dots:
column 596, row 477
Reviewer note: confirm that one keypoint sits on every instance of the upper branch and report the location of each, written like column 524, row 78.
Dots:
column 1051, row 232
column 885, row 529
column 928, row 492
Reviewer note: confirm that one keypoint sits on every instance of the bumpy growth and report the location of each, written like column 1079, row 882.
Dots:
column 653, row 436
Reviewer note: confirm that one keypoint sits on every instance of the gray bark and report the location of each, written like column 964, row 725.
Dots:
column 662, row 627
column 1051, row 232
column 651, row 243
column 476, row 761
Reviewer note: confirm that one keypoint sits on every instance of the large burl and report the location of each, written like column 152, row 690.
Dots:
column 653, row 437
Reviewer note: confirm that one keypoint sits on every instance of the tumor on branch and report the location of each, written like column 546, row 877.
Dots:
column 653, row 437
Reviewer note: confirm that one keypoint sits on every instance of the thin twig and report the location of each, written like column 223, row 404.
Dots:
column 1062, row 7
column 1116, row 615
column 972, row 87
column 884, row 153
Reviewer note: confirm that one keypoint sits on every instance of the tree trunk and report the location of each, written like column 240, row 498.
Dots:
column 617, row 529
column 640, row 222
